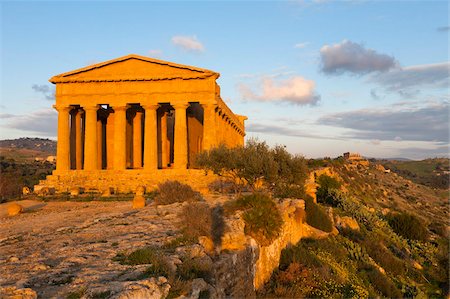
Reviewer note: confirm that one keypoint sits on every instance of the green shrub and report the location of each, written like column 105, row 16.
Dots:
column 408, row 226
column 195, row 220
column 384, row 257
column 174, row 191
column 148, row 255
column 316, row 216
column 298, row 254
column 194, row 268
column 262, row 218
column 383, row 284
column 289, row 191
column 326, row 185
column 253, row 164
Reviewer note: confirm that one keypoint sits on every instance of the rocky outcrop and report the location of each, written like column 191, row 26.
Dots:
column 15, row 293
column 246, row 265
column 153, row 288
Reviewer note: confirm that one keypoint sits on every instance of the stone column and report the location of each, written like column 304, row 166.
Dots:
column 209, row 126
column 78, row 140
column 63, row 145
column 137, row 140
column 120, row 122
column 150, row 138
column 91, row 144
column 180, row 139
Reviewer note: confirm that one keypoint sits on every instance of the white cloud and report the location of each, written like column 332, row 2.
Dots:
column 294, row 90
column 350, row 57
column 301, row 45
column 155, row 53
column 189, row 43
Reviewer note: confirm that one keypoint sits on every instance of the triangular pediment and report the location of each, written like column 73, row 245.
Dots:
column 133, row 68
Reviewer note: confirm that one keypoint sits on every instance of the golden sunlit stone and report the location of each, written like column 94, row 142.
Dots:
column 14, row 209
column 135, row 121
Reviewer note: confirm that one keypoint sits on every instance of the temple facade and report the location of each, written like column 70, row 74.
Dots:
column 137, row 116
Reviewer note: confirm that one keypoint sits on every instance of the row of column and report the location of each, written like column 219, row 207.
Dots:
column 91, row 135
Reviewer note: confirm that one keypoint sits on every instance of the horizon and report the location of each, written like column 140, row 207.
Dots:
column 306, row 77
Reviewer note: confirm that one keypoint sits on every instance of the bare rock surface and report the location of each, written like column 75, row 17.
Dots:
column 56, row 248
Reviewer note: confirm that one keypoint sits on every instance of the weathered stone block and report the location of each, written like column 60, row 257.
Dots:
column 14, row 209
column 139, row 202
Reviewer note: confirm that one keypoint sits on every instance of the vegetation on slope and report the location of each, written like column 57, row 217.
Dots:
column 14, row 176
column 433, row 173
column 393, row 254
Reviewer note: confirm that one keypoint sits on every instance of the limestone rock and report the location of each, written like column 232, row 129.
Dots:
column 14, row 293
column 14, row 209
column 26, row 190
column 198, row 286
column 207, row 243
column 149, row 289
column 13, row 259
column 347, row 222
column 138, row 202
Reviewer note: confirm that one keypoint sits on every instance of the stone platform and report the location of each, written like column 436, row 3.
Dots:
column 124, row 181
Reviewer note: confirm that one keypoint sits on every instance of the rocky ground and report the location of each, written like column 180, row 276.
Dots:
column 54, row 248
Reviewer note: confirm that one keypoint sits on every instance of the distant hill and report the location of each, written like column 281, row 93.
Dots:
column 27, row 149
column 433, row 173
column 37, row 144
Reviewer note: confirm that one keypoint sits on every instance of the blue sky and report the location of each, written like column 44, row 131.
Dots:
column 321, row 77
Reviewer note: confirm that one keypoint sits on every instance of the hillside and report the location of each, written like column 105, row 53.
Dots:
column 433, row 173
column 27, row 149
column 375, row 252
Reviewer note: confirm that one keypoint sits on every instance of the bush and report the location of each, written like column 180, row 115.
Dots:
column 262, row 218
column 325, row 192
column 383, row 284
column 255, row 165
column 384, row 257
column 147, row 255
column 289, row 191
column 194, row 268
column 408, row 226
column 316, row 216
column 174, row 191
column 195, row 220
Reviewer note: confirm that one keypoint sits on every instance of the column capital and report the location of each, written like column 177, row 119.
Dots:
column 208, row 105
column 150, row 106
column 182, row 106
column 61, row 108
column 119, row 107
column 90, row 107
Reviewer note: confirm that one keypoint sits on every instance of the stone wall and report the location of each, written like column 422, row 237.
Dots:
column 125, row 181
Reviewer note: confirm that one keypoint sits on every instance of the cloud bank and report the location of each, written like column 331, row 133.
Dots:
column 428, row 75
column 426, row 123
column 353, row 58
column 188, row 43
column 42, row 122
column 49, row 93
column 295, row 90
